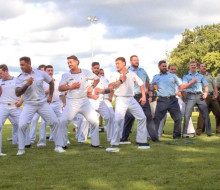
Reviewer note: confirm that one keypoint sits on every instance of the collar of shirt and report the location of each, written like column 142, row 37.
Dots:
column 132, row 69
column 33, row 71
column 164, row 73
column 196, row 73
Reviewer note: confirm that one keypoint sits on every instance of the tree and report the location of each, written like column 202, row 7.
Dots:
column 201, row 44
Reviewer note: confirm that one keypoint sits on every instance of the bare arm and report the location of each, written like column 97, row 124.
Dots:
column 64, row 87
column 0, row 90
column 143, row 98
column 187, row 85
column 51, row 90
column 21, row 90
column 216, row 92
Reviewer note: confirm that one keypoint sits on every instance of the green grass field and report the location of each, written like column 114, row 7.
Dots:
column 169, row 164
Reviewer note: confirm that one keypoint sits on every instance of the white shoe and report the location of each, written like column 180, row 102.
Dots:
column 68, row 142
column 2, row 154
column 125, row 142
column 112, row 149
column 20, row 152
column 59, row 149
column 41, row 145
column 9, row 139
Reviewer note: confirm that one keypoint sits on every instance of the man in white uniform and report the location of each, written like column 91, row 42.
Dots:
column 30, row 84
column 123, row 82
column 9, row 103
column 75, row 82
column 97, row 101
column 34, row 122
column 56, row 105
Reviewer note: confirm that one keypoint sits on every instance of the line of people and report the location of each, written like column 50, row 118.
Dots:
column 82, row 96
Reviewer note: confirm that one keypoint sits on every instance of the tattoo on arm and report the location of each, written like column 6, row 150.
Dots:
column 21, row 90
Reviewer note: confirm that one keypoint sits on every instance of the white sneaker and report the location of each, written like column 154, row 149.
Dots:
column 9, row 139
column 2, row 154
column 59, row 149
column 68, row 142
column 143, row 146
column 125, row 142
column 41, row 145
column 20, row 152
column 112, row 149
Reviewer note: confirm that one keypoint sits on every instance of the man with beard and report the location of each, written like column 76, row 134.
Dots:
column 129, row 118
column 165, row 83
column 211, row 101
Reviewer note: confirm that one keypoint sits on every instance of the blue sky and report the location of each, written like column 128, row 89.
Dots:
column 49, row 31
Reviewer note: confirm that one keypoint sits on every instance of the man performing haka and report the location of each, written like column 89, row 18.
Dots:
column 9, row 103
column 56, row 104
column 123, row 82
column 129, row 118
column 75, row 82
column 96, row 99
column 30, row 84
column 165, row 83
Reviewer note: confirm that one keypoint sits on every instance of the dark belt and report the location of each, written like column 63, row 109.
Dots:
column 168, row 97
column 195, row 93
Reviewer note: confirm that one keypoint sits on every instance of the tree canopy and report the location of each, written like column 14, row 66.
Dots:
column 201, row 44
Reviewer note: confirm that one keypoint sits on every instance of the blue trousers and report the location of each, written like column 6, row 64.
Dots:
column 171, row 105
column 191, row 101
column 129, row 121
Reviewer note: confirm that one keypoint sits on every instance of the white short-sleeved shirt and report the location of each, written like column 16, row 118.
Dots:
column 127, row 87
column 35, row 92
column 82, row 77
column 100, row 85
column 56, row 93
column 8, row 91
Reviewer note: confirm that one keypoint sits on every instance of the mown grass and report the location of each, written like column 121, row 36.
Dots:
column 169, row 164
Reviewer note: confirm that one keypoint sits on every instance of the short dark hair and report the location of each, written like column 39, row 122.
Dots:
column 101, row 69
column 4, row 67
column 25, row 59
column 121, row 59
column 41, row 66
column 73, row 57
column 95, row 63
column 48, row 66
column 133, row 56
column 171, row 65
column 161, row 62
column 200, row 64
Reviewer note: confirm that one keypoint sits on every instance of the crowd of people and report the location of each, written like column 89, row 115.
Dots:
column 82, row 96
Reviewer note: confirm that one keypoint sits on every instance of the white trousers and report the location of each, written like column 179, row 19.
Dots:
column 82, row 127
column 57, row 108
column 104, row 108
column 45, row 111
column 82, row 105
column 109, row 128
column 33, row 127
column 122, row 105
column 5, row 112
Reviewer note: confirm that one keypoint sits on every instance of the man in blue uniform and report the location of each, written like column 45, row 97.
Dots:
column 165, row 83
column 129, row 118
column 195, row 96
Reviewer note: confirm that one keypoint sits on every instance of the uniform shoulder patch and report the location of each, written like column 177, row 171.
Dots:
column 19, row 75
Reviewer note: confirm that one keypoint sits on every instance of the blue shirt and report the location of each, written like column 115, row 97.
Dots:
column 143, row 76
column 166, row 84
column 196, row 87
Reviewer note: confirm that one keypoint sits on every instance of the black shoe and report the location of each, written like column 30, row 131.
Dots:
column 143, row 146
column 209, row 135
column 65, row 147
column 99, row 146
column 176, row 137
column 48, row 137
column 28, row 146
